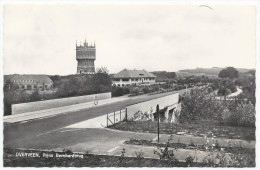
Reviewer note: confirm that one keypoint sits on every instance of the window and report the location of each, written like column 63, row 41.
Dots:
column 29, row 87
column 125, row 79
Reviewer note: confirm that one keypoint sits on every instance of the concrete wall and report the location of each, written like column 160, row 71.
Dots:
column 170, row 101
column 48, row 104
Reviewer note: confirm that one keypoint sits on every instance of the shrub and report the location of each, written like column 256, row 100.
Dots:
column 117, row 91
column 122, row 158
column 223, row 91
column 140, row 116
column 199, row 103
column 190, row 161
column 140, row 157
column 66, row 150
column 126, row 90
column 242, row 115
column 135, row 91
column 145, row 90
column 166, row 154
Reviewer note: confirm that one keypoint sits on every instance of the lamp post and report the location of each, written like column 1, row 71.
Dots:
column 158, row 129
column 43, row 91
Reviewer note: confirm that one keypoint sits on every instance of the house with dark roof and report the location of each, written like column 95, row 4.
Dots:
column 133, row 77
column 29, row 82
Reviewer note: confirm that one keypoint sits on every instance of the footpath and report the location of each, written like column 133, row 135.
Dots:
column 59, row 110
column 111, row 142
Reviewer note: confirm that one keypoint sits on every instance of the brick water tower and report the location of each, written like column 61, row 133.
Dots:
column 86, row 56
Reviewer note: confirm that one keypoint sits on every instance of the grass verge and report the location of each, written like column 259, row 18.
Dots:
column 201, row 128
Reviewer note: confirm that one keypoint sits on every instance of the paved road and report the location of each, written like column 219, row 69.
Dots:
column 53, row 133
column 13, row 133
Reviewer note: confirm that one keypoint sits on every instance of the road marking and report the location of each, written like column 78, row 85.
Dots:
column 24, row 121
column 49, row 132
column 68, row 130
column 113, row 149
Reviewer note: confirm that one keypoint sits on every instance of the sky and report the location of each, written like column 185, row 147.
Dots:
column 41, row 39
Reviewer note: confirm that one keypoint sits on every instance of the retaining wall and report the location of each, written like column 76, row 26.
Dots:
column 48, row 104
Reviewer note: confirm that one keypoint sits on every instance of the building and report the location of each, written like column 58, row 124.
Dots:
column 30, row 82
column 86, row 56
column 133, row 77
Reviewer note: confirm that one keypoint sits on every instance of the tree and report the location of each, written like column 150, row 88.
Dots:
column 252, row 72
column 163, row 75
column 223, row 91
column 229, row 72
column 199, row 104
column 10, row 86
column 101, row 82
column 35, row 96
column 102, row 70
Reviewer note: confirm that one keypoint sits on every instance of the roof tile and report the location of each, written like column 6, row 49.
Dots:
column 133, row 74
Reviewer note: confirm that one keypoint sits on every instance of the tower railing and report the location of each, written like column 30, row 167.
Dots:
column 85, row 57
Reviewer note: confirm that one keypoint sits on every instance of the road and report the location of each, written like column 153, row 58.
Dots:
column 15, row 132
column 56, row 134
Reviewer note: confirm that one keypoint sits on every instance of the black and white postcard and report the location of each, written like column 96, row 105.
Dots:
column 129, row 84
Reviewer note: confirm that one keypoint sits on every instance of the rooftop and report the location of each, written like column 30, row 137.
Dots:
column 35, row 78
column 133, row 74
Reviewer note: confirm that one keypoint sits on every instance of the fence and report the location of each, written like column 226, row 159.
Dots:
column 116, row 117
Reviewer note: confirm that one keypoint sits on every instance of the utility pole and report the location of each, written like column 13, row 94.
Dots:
column 157, row 110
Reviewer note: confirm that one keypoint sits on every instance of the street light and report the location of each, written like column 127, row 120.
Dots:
column 157, row 110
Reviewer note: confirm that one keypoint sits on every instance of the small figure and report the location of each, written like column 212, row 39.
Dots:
column 95, row 100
